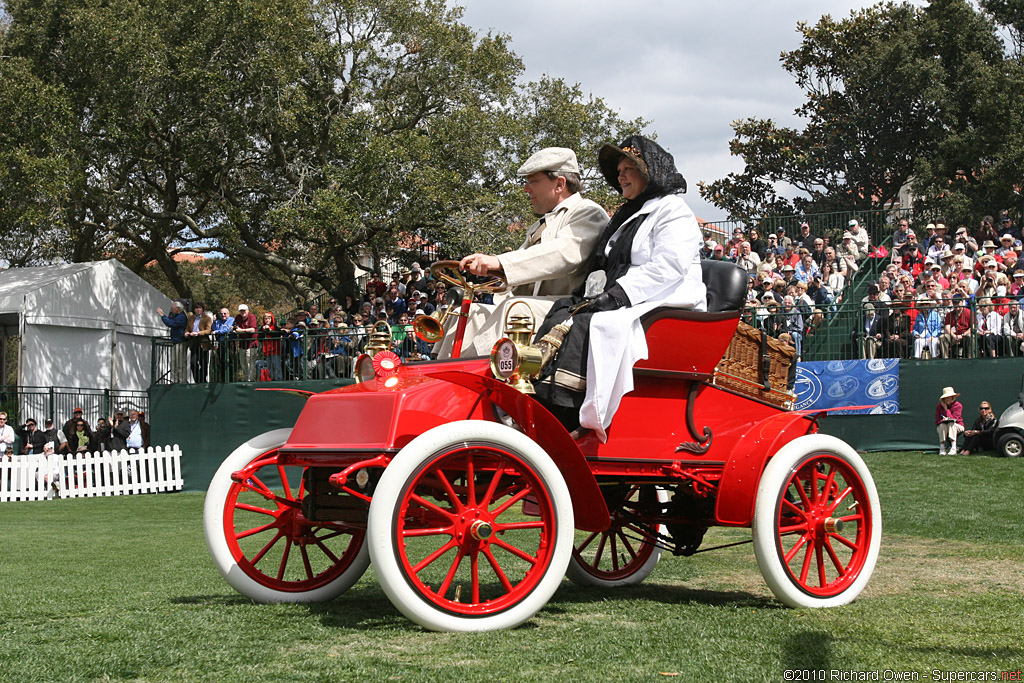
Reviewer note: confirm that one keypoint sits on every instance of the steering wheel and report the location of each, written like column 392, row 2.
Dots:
column 450, row 273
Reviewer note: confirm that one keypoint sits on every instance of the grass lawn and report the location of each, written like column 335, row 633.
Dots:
column 123, row 589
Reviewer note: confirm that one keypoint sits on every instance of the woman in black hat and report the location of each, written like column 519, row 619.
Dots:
column 647, row 257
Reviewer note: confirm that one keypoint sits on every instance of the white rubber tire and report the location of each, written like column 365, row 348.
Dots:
column 582, row 576
column 770, row 491
column 392, row 489
column 217, row 543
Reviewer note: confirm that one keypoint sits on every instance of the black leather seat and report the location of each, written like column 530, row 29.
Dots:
column 726, row 284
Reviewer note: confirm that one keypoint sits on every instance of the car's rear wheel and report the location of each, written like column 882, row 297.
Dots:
column 817, row 523
column 624, row 554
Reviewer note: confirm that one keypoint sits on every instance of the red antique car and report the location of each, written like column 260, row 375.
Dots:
column 473, row 502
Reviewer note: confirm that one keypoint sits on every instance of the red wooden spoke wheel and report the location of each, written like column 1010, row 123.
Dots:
column 261, row 541
column 622, row 555
column 817, row 523
column 450, row 544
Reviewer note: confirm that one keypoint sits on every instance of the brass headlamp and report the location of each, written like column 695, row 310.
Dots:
column 380, row 340
column 512, row 358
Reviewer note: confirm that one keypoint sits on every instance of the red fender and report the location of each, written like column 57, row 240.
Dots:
column 734, row 505
column 589, row 508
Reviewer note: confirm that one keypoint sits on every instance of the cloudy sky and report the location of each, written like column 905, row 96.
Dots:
column 689, row 67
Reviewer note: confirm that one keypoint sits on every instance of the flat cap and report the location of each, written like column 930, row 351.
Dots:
column 551, row 159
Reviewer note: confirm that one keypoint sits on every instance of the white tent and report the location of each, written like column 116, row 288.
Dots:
column 83, row 325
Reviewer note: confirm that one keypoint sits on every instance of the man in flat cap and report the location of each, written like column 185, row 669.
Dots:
column 551, row 261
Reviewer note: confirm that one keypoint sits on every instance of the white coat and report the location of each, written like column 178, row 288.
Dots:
column 539, row 273
column 665, row 271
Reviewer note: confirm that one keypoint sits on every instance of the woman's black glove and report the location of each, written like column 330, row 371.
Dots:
column 612, row 298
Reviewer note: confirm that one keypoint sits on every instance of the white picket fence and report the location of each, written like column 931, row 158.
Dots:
column 79, row 475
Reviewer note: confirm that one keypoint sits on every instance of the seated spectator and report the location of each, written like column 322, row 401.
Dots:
column 1013, row 329
column 874, row 296
column 980, row 436
column 718, row 253
column 790, row 257
column 103, row 433
column 989, row 253
column 806, row 269
column 1006, row 225
column 779, row 287
column 822, row 295
column 770, row 267
column 780, row 233
column 871, row 332
column 927, row 329
column 1018, row 284
column 956, row 335
column 792, row 321
column 912, row 260
column 806, row 239
column 747, row 259
column 82, row 439
column 818, row 252
column 1010, row 263
column 949, row 422
column 757, row 245
column 708, row 248
column 32, row 439
column 774, row 247
column 50, row 470
column 860, row 239
column 899, row 237
column 884, row 287
column 849, row 254
column 929, row 235
column 733, row 246
column 990, row 328
column 935, row 249
column 834, row 279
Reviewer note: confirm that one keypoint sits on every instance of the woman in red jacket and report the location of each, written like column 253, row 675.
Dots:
column 949, row 421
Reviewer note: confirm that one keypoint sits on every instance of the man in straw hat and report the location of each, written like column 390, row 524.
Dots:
column 949, row 421
column 550, row 262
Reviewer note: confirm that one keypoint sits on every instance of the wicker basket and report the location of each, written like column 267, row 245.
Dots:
column 740, row 367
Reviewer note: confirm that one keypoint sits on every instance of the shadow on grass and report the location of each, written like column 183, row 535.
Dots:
column 367, row 608
column 220, row 600
column 660, row 593
column 807, row 650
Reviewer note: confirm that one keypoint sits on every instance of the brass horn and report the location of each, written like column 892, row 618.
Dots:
column 430, row 328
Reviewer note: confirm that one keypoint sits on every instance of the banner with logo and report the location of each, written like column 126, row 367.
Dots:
column 839, row 383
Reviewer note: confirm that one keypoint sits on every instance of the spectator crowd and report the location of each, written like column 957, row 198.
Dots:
column 933, row 292
column 305, row 344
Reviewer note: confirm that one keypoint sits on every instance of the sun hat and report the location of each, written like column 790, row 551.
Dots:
column 947, row 392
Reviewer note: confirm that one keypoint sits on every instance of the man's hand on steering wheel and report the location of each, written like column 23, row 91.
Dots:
column 481, row 264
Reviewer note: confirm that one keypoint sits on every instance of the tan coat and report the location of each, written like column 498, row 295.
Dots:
column 554, row 265
column 205, row 327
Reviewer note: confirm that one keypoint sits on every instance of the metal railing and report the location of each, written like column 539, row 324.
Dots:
column 880, row 224
column 58, row 403
column 274, row 356
column 839, row 331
